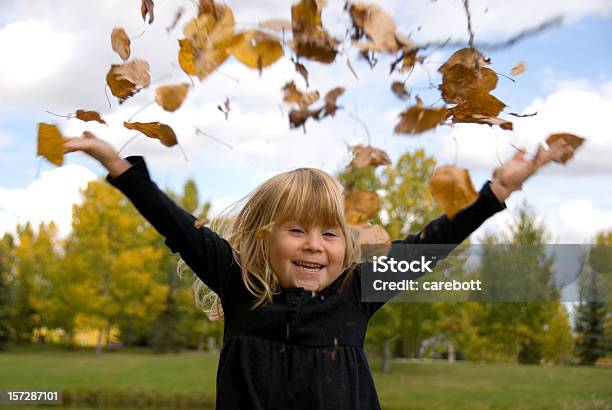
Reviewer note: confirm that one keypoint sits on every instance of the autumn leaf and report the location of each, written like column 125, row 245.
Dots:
column 379, row 27
column 298, row 118
column 186, row 57
column 375, row 237
column 331, row 101
column 295, row 96
column 127, row 79
column 482, row 119
column 398, row 88
column 301, row 70
column 257, row 49
column 120, row 43
column 310, row 40
column 154, row 130
column 171, row 97
column 50, row 143
column 477, row 102
column 469, row 57
column 519, row 68
column 146, row 7
column 452, row 189
column 417, row 119
column 360, row 206
column 89, row 116
column 364, row 156
column 276, row 25
column 572, row 140
column 459, row 79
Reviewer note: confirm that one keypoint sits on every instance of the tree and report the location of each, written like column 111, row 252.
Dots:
column 7, row 276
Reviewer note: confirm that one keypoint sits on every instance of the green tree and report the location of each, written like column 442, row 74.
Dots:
column 7, row 275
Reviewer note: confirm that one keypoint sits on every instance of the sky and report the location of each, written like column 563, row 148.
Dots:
column 55, row 56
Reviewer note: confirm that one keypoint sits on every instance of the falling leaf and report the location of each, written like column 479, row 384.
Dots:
column 301, row 69
column 185, row 57
column 459, row 80
column 364, row 156
column 503, row 124
column 469, row 57
column 225, row 109
column 330, row 100
column 257, row 49
column 477, row 102
column 146, row 7
column 89, row 116
column 170, row 97
column 127, row 79
column 154, row 130
column 519, row 68
column 276, row 25
column 298, row 118
column 120, row 43
column 376, row 238
column 361, row 206
column 293, row 95
column 378, row 26
column 50, row 143
column 573, row 140
column 452, row 189
column 399, row 90
column 310, row 40
column 417, row 119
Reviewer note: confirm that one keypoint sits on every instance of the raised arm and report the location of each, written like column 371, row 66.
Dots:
column 204, row 251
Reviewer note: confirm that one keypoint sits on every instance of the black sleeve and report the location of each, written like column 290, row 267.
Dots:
column 445, row 231
column 209, row 255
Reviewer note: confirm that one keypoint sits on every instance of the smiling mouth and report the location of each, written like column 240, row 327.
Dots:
column 309, row 267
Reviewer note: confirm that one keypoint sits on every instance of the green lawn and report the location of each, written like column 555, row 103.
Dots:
column 188, row 379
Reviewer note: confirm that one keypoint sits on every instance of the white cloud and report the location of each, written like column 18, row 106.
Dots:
column 577, row 107
column 580, row 221
column 49, row 198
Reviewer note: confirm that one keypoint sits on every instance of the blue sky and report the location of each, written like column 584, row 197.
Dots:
column 67, row 53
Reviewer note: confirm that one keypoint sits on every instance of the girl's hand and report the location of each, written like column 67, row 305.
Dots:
column 99, row 150
column 511, row 176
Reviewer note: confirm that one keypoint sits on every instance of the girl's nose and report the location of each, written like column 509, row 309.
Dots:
column 313, row 242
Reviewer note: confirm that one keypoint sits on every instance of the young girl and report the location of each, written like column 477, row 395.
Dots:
column 288, row 278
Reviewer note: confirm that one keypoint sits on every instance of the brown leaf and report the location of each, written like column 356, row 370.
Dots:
column 310, row 40
column 364, row 156
column 171, row 97
column 154, row 130
column 417, row 119
column 377, row 25
column 50, row 143
column 477, row 102
column 89, row 116
column 127, row 79
column 573, row 140
column 503, row 124
column 361, row 206
column 459, row 79
column 146, row 7
column 257, row 49
column 373, row 235
column 293, row 95
column 399, row 90
column 120, row 43
column 330, row 100
column 301, row 69
column 452, row 189
column 469, row 57
column 519, row 68
column 298, row 118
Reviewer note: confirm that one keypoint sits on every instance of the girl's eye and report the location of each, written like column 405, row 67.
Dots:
column 295, row 230
column 330, row 234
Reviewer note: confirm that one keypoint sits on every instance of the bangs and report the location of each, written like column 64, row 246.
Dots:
column 312, row 197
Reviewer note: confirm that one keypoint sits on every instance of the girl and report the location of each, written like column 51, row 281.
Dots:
column 288, row 280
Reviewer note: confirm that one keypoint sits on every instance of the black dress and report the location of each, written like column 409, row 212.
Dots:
column 305, row 350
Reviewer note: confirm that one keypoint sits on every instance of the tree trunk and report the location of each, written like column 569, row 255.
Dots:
column 99, row 341
column 386, row 364
column 451, row 351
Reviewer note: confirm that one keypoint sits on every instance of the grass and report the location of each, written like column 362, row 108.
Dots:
column 188, row 380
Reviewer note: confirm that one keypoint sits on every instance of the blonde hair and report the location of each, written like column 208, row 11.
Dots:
column 305, row 195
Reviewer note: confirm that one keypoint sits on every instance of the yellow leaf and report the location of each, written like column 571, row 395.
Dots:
column 452, row 189
column 89, row 116
column 127, row 79
column 185, row 57
column 120, row 43
column 257, row 49
column 155, row 130
column 170, row 97
column 50, row 143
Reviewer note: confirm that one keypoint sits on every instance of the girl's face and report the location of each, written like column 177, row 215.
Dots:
column 309, row 257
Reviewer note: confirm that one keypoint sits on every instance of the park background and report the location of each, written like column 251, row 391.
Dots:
column 82, row 273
